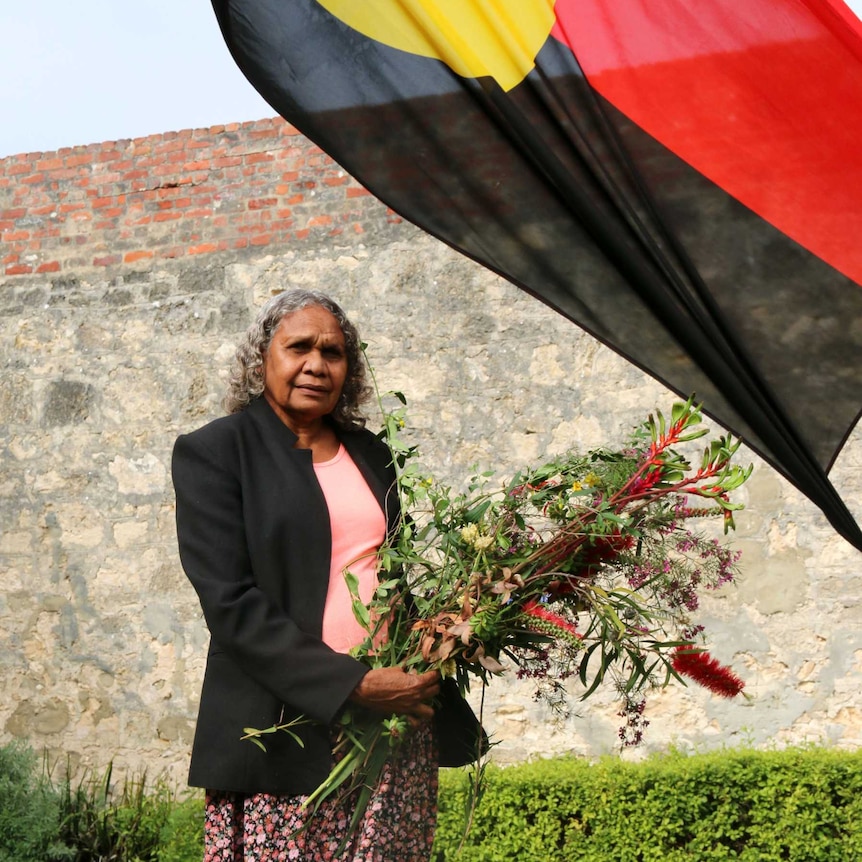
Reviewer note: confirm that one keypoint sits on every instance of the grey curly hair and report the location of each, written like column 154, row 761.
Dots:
column 246, row 376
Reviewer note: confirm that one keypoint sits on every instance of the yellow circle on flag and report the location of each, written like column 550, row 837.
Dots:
column 475, row 38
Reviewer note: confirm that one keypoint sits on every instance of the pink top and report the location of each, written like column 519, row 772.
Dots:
column 358, row 530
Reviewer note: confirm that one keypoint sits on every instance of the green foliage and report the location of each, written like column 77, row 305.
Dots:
column 182, row 838
column 104, row 823
column 795, row 806
column 798, row 805
column 584, row 567
column 28, row 808
column 91, row 820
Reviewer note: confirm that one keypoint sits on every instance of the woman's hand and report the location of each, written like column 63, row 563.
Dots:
column 393, row 690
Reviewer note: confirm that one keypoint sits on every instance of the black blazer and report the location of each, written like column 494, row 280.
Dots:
column 254, row 540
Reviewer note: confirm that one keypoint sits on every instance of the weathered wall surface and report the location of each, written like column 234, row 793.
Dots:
column 176, row 195
column 116, row 329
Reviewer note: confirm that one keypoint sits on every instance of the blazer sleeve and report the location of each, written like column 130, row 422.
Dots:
column 260, row 638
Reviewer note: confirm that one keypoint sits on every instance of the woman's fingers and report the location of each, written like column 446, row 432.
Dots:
column 429, row 683
column 391, row 689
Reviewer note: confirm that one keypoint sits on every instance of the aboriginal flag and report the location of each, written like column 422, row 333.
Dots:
column 681, row 178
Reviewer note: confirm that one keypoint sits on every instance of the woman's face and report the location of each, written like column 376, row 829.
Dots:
column 305, row 367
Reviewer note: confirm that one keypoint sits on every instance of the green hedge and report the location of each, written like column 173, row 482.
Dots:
column 798, row 805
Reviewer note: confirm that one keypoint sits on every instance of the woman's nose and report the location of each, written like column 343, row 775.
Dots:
column 314, row 363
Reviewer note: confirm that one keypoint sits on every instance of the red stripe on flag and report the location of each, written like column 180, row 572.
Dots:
column 764, row 99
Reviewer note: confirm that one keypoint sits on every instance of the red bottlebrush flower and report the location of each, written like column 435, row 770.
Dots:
column 700, row 666
column 546, row 622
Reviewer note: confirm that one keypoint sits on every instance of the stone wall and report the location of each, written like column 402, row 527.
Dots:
column 116, row 329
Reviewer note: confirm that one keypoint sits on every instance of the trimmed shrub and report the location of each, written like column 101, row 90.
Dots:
column 793, row 806
column 798, row 805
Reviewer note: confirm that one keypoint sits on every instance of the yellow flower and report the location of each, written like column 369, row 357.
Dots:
column 470, row 533
column 591, row 480
column 447, row 669
column 577, row 486
column 482, row 543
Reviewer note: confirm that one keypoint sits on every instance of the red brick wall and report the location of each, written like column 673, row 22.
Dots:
column 130, row 203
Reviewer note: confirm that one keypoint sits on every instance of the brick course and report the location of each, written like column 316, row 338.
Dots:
column 197, row 192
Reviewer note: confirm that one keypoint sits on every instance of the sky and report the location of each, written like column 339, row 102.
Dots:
column 104, row 70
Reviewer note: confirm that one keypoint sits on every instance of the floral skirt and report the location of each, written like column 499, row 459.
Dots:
column 398, row 825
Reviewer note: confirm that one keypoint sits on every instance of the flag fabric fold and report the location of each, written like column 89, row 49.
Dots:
column 682, row 180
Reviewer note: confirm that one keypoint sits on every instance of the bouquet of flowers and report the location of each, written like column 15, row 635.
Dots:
column 583, row 570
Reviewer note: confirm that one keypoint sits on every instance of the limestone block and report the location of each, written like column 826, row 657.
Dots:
column 580, row 435
column 80, row 524
column 140, row 476
column 16, row 542
column 16, row 399
column 777, row 584
column 176, row 728
column 50, row 481
column 43, row 718
column 67, row 402
column 129, row 534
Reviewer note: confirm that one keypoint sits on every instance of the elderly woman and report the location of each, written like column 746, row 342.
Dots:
column 273, row 502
